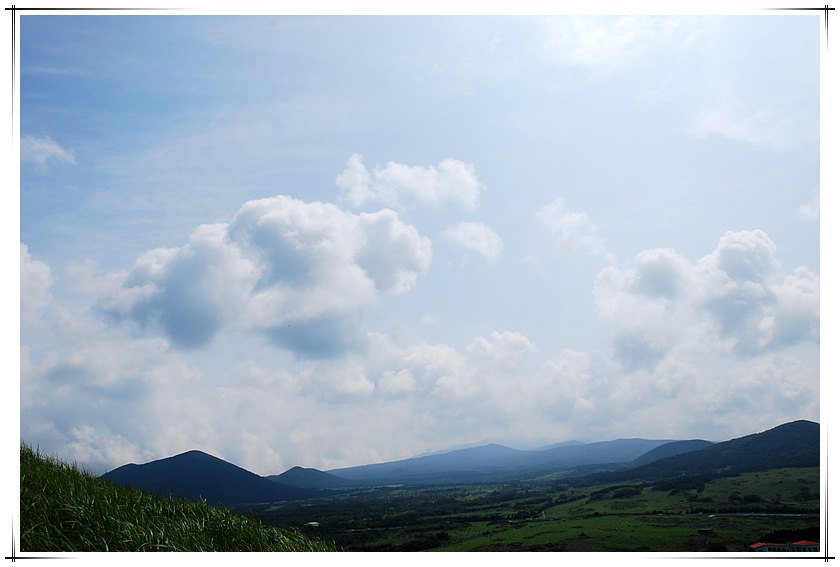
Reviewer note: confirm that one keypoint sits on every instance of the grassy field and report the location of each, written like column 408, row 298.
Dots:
column 551, row 516
column 65, row 509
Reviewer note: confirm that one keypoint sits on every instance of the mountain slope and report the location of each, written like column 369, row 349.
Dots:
column 794, row 444
column 616, row 451
column 669, row 450
column 495, row 462
column 309, row 478
column 195, row 475
column 464, row 461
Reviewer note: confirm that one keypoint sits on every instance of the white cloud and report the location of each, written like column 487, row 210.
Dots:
column 477, row 237
column 393, row 253
column 745, row 256
column 35, row 282
column 42, row 150
column 297, row 272
column 573, row 231
column 735, row 298
column 402, row 186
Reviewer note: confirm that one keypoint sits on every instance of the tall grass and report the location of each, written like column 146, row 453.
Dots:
column 63, row 508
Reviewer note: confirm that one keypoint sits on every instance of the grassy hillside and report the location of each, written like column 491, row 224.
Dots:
column 65, row 509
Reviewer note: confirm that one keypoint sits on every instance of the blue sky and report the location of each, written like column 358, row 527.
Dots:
column 329, row 241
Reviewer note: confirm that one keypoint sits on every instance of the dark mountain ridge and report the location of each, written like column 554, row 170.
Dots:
column 794, row 444
column 195, row 475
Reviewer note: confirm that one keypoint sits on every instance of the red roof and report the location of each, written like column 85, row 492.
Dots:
column 803, row 543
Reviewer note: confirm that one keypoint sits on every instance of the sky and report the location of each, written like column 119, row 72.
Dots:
column 332, row 241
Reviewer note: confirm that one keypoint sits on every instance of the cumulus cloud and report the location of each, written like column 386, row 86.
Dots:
column 296, row 272
column 392, row 253
column 189, row 291
column 43, row 150
column 572, row 231
column 737, row 295
column 477, row 237
column 401, row 186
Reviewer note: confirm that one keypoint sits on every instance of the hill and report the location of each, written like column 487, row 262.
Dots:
column 195, row 475
column 65, row 509
column 309, row 478
column 794, row 444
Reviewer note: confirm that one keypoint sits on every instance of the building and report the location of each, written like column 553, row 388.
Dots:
column 803, row 545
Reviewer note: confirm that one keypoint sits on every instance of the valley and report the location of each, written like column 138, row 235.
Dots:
column 724, row 514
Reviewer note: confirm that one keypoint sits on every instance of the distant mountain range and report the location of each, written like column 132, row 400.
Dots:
column 496, row 462
column 195, row 475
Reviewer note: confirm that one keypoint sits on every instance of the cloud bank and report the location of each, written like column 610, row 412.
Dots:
column 710, row 345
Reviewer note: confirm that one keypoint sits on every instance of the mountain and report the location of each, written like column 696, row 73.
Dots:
column 309, row 478
column 669, row 450
column 794, row 444
column 494, row 462
column 436, row 468
column 195, row 475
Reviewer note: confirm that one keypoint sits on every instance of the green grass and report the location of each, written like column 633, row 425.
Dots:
column 741, row 510
column 66, row 509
